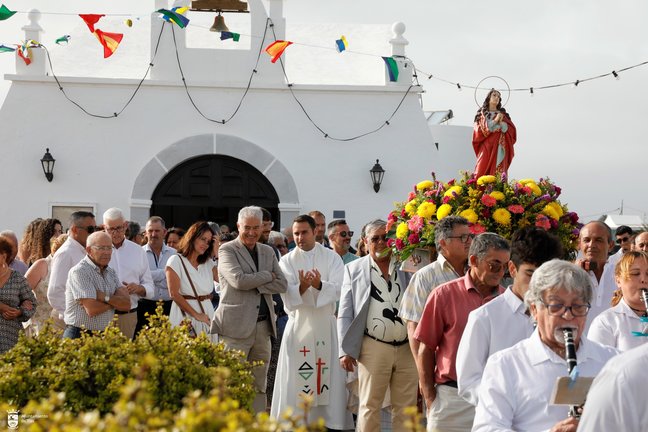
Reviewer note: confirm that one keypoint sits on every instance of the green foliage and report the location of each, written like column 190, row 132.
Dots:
column 92, row 371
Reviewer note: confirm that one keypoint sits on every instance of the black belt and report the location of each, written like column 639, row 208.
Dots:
column 262, row 318
column 394, row 343
column 452, row 384
column 118, row 312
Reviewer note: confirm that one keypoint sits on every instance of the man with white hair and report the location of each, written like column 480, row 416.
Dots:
column 93, row 291
column 131, row 264
column 14, row 263
column 249, row 274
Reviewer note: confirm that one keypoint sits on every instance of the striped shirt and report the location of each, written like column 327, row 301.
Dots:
column 83, row 282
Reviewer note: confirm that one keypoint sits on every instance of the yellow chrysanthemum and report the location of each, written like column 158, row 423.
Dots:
column 485, row 180
column 410, row 208
column 502, row 216
column 525, row 181
column 499, row 196
column 535, row 189
column 470, row 215
column 452, row 191
column 402, row 231
column 425, row 184
column 557, row 207
column 426, row 210
column 553, row 210
column 443, row 211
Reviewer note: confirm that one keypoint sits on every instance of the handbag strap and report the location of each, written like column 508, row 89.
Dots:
column 191, row 283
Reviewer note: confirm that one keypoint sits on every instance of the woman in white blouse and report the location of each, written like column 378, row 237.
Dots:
column 193, row 263
column 622, row 325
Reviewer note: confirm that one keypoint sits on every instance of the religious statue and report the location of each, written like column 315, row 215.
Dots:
column 493, row 137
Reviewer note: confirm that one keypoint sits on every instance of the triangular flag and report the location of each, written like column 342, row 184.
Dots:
column 24, row 52
column 180, row 9
column 341, row 43
column 392, row 68
column 63, row 39
column 276, row 48
column 230, row 35
column 4, row 48
column 91, row 20
column 175, row 17
column 110, row 41
column 5, row 13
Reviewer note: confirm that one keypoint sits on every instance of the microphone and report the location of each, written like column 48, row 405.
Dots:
column 570, row 357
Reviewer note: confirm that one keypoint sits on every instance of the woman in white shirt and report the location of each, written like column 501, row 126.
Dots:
column 625, row 325
column 193, row 264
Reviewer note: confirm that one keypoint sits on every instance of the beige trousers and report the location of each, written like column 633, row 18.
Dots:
column 383, row 366
column 449, row 412
column 127, row 323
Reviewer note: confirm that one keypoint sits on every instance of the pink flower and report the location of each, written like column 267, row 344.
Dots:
column 390, row 223
column 390, row 242
column 416, row 223
column 477, row 229
column 526, row 190
column 428, row 193
column 411, row 196
column 413, row 239
column 488, row 200
column 392, row 217
column 542, row 221
column 471, row 180
column 446, row 199
column 399, row 244
column 516, row 208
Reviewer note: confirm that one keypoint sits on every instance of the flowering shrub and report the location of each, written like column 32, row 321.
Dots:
column 489, row 203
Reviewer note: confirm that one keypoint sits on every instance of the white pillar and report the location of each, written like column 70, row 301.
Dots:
column 33, row 31
column 398, row 43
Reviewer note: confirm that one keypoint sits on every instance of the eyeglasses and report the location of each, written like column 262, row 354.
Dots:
column 90, row 229
column 102, row 248
column 577, row 310
column 622, row 240
column 115, row 229
column 344, row 234
column 463, row 237
column 495, row 266
column 376, row 239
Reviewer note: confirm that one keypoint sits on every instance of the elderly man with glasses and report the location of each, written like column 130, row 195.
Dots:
column 372, row 336
column 82, row 224
column 515, row 392
column 443, row 321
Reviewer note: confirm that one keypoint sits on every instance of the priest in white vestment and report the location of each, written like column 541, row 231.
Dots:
column 308, row 359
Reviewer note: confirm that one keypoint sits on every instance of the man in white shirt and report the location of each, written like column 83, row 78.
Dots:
column 82, row 224
column 131, row 264
column 617, row 399
column 515, row 392
column 504, row 321
column 595, row 243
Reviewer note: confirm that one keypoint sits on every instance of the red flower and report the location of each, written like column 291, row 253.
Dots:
column 390, row 242
column 516, row 208
column 542, row 221
column 399, row 244
column 486, row 213
column 446, row 199
column 477, row 229
column 413, row 238
column 488, row 200
column 526, row 190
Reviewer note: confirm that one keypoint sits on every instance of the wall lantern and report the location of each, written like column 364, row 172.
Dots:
column 48, row 165
column 377, row 173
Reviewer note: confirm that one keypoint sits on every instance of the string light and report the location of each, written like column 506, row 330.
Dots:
column 615, row 74
column 531, row 91
column 458, row 85
column 576, row 83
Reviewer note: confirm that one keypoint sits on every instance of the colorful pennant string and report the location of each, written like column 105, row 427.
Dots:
column 110, row 41
column 63, row 40
column 341, row 43
column 91, row 20
column 230, row 35
column 392, row 68
column 174, row 16
column 276, row 49
column 5, row 13
column 4, row 48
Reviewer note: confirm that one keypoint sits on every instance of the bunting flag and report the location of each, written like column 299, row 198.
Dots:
column 230, row 35
column 392, row 68
column 276, row 48
column 24, row 51
column 91, row 20
column 341, row 43
column 174, row 16
column 110, row 41
column 4, row 48
column 5, row 13
column 63, row 40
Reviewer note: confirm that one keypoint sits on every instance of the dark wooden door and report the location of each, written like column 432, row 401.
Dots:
column 212, row 188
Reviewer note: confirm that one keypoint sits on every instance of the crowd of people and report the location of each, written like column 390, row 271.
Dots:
column 348, row 327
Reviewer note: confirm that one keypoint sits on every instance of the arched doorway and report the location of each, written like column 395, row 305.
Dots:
column 212, row 188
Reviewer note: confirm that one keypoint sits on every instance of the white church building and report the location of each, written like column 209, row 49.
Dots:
column 161, row 156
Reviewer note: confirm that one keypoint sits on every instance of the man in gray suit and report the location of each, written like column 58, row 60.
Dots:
column 249, row 274
column 371, row 334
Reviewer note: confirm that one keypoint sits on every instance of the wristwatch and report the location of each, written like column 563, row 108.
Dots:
column 107, row 298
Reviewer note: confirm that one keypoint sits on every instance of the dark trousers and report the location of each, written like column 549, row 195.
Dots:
column 73, row 332
column 148, row 306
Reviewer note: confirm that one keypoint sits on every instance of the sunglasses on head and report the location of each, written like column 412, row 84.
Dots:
column 343, row 234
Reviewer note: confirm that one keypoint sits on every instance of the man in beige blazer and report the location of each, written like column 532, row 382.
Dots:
column 249, row 274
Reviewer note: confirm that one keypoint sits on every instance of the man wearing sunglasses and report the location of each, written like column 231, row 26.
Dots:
column 82, row 224
column 340, row 236
column 623, row 236
column 442, row 324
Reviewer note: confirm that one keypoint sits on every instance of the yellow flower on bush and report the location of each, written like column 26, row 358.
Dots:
column 452, row 191
column 481, row 181
column 502, row 216
column 402, row 231
column 426, row 210
column 410, row 208
column 443, row 211
column 425, row 184
column 469, row 215
column 553, row 210
column 499, row 196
